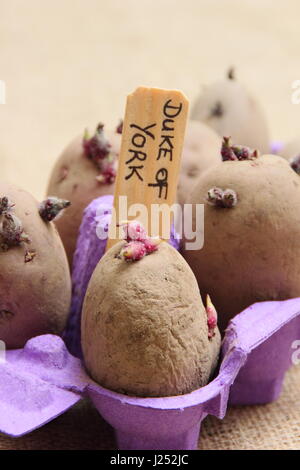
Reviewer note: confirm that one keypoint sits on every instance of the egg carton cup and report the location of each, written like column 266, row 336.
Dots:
column 37, row 384
column 90, row 248
column 267, row 332
column 43, row 380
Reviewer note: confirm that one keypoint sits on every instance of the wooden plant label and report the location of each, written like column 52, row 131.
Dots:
column 149, row 161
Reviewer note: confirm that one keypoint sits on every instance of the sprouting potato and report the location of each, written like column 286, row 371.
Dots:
column 145, row 331
column 251, row 231
column 85, row 170
column 34, row 273
column 230, row 110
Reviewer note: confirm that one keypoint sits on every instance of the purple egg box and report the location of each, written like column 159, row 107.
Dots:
column 43, row 380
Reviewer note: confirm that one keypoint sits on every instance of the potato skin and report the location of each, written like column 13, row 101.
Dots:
column 144, row 327
column 34, row 296
column 74, row 178
column 251, row 252
column 242, row 119
column 202, row 149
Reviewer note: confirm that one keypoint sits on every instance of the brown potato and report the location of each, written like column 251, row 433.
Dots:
column 74, row 178
column 144, row 327
column 251, row 251
column 230, row 110
column 201, row 150
column 35, row 281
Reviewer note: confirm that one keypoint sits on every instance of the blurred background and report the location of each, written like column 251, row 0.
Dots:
column 68, row 64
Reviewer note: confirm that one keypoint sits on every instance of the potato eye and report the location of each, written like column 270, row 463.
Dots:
column 193, row 172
